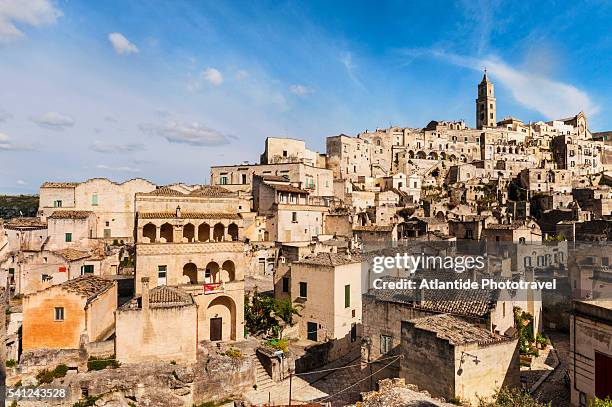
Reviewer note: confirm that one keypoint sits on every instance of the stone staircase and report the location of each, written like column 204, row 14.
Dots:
column 262, row 378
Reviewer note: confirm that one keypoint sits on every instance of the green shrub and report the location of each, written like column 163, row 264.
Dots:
column 98, row 364
column 47, row 376
column 89, row 401
column 233, row 353
column 11, row 363
column 278, row 344
column 597, row 402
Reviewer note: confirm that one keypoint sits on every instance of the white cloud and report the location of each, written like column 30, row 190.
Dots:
column 117, row 169
column 193, row 134
column 6, row 144
column 300, row 90
column 213, row 76
column 116, row 148
column 21, row 182
column 121, row 44
column 53, row 120
column 347, row 60
column 14, row 13
column 553, row 99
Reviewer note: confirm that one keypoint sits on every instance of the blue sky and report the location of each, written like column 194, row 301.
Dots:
column 164, row 89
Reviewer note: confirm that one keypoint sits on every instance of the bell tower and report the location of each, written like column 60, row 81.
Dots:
column 485, row 104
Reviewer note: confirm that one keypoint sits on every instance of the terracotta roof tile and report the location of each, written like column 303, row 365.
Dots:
column 373, row 228
column 88, row 286
column 70, row 215
column 164, row 191
column 25, row 223
column 71, row 254
column 60, row 184
column 330, row 259
column 455, row 330
column 162, row 297
column 211, row 190
column 287, row 188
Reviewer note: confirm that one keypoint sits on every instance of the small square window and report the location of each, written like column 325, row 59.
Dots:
column 303, row 289
column 68, row 237
column 285, row 284
column 386, row 344
column 59, row 313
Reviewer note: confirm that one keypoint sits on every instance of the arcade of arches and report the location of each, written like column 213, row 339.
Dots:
column 190, row 232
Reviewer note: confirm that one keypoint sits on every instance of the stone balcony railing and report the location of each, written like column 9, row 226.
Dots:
column 194, row 247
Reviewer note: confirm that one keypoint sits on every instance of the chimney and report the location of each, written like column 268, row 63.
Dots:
column 144, row 300
column 178, row 211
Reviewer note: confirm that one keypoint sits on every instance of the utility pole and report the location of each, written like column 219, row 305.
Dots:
column 290, row 382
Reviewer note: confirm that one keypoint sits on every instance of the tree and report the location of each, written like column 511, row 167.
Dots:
column 514, row 397
column 263, row 314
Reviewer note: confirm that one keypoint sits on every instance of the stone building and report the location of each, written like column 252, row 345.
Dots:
column 349, row 157
column 327, row 288
column 112, row 203
column 161, row 324
column 456, row 360
column 61, row 316
column 195, row 241
column 590, row 357
column 69, row 228
column 536, row 180
column 486, row 110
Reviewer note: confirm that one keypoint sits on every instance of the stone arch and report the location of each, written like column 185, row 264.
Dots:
column 204, row 232
column 212, row 273
column 222, row 307
column 421, row 155
column 218, row 232
column 190, row 273
column 411, row 154
column 232, row 230
column 228, row 271
column 463, row 158
column 167, row 232
column 189, row 232
column 452, row 157
column 150, row 230
column 432, row 155
column 443, row 155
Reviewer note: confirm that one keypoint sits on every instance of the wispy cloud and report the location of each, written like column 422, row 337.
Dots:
column 121, row 44
column 21, row 182
column 553, row 99
column 193, row 134
column 109, row 148
column 117, row 169
column 35, row 13
column 300, row 90
column 347, row 60
column 53, row 120
column 212, row 76
column 6, row 144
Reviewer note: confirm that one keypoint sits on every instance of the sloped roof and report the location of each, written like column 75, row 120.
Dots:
column 59, row 184
column 330, row 259
column 373, row 228
column 211, row 190
column 88, row 286
column 164, row 191
column 287, row 188
column 162, row 297
column 456, row 330
column 71, row 254
column 70, row 214
column 24, row 223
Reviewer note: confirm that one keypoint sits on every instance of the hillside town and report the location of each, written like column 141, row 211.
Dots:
column 258, row 288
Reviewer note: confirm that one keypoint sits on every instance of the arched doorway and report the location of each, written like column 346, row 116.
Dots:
column 232, row 230
column 218, row 232
column 189, row 232
column 212, row 273
column 221, row 315
column 190, row 273
column 150, row 230
column 204, row 232
column 167, row 232
column 228, row 272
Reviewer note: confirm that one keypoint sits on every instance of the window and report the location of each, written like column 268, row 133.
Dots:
column 311, row 331
column 386, row 344
column 57, row 204
column 294, row 217
column 285, row 284
column 161, row 275
column 303, row 289
column 223, row 180
column 469, row 234
column 11, row 271
column 87, row 269
column 94, row 199
column 527, row 261
column 347, row 296
column 285, row 153
column 68, row 237
column 244, row 178
column 59, row 313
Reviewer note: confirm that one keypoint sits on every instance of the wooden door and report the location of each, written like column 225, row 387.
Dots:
column 216, row 329
column 603, row 375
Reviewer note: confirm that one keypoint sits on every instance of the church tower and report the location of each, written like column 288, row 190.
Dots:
column 485, row 104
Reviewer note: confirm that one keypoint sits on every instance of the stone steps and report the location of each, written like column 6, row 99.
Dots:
column 262, row 378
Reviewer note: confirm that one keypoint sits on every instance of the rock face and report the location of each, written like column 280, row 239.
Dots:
column 220, row 377
column 395, row 393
